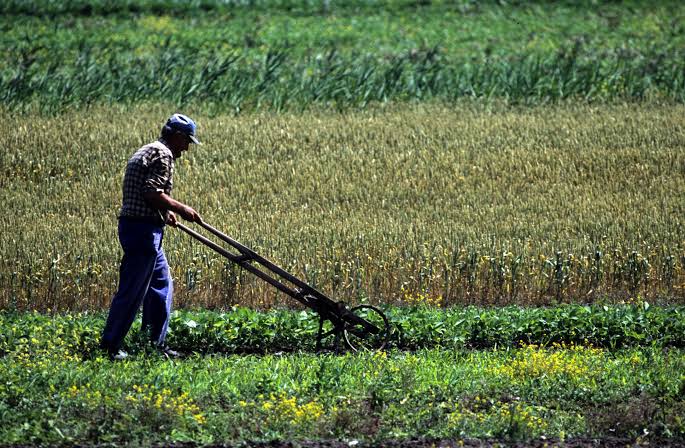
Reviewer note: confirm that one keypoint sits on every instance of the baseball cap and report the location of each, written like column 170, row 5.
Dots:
column 184, row 125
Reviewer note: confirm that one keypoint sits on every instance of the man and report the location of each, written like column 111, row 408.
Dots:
column 147, row 206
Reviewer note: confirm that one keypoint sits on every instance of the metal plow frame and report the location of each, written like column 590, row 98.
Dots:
column 348, row 325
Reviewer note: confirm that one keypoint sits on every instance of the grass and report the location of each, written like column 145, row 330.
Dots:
column 472, row 29
column 278, row 58
column 50, row 394
column 404, row 174
column 57, row 388
column 241, row 330
column 460, row 206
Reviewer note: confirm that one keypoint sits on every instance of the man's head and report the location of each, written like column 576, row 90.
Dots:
column 179, row 133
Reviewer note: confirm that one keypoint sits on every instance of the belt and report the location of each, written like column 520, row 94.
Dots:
column 157, row 220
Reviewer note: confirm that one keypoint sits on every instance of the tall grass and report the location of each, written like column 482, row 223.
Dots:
column 274, row 58
column 402, row 205
column 276, row 82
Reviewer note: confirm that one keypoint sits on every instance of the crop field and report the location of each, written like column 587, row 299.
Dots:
column 293, row 55
column 407, row 205
column 505, row 180
column 628, row 383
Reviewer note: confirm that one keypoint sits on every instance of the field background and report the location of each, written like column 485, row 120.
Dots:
column 391, row 152
column 568, row 375
column 403, row 204
column 505, row 179
column 233, row 56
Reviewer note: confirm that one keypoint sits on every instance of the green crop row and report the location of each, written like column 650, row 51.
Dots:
column 229, row 82
column 492, row 29
column 240, row 59
column 50, row 395
column 242, row 330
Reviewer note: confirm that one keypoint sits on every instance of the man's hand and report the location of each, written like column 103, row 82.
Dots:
column 189, row 214
column 171, row 219
column 163, row 201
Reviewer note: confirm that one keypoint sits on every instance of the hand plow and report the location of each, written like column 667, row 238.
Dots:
column 362, row 327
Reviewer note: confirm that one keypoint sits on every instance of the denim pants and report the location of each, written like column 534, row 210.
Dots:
column 143, row 279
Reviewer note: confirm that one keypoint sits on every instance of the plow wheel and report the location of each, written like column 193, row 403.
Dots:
column 369, row 341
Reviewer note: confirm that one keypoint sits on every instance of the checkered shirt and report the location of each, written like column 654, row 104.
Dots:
column 151, row 168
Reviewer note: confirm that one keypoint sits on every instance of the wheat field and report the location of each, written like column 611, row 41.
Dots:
column 459, row 204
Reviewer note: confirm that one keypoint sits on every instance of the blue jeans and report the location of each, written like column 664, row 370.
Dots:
column 143, row 279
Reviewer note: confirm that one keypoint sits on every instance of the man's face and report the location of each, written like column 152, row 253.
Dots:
column 179, row 143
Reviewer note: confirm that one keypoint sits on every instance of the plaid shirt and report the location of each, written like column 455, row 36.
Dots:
column 151, row 168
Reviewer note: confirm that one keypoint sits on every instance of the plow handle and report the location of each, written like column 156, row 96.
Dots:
column 307, row 295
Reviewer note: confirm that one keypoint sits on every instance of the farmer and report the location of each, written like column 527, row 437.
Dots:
column 147, row 206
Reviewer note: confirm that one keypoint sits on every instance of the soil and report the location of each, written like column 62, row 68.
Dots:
column 615, row 442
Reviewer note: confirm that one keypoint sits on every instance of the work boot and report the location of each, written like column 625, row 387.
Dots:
column 114, row 354
column 168, row 352
column 119, row 355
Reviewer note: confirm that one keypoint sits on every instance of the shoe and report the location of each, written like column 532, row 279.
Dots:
column 114, row 354
column 119, row 355
column 169, row 353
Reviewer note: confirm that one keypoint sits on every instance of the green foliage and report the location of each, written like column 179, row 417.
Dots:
column 50, row 393
column 242, row 330
column 419, row 205
column 223, row 82
column 294, row 56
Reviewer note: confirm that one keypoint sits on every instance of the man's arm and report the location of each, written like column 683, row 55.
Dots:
column 162, row 201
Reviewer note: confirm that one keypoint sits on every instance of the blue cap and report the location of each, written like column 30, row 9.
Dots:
column 184, row 125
